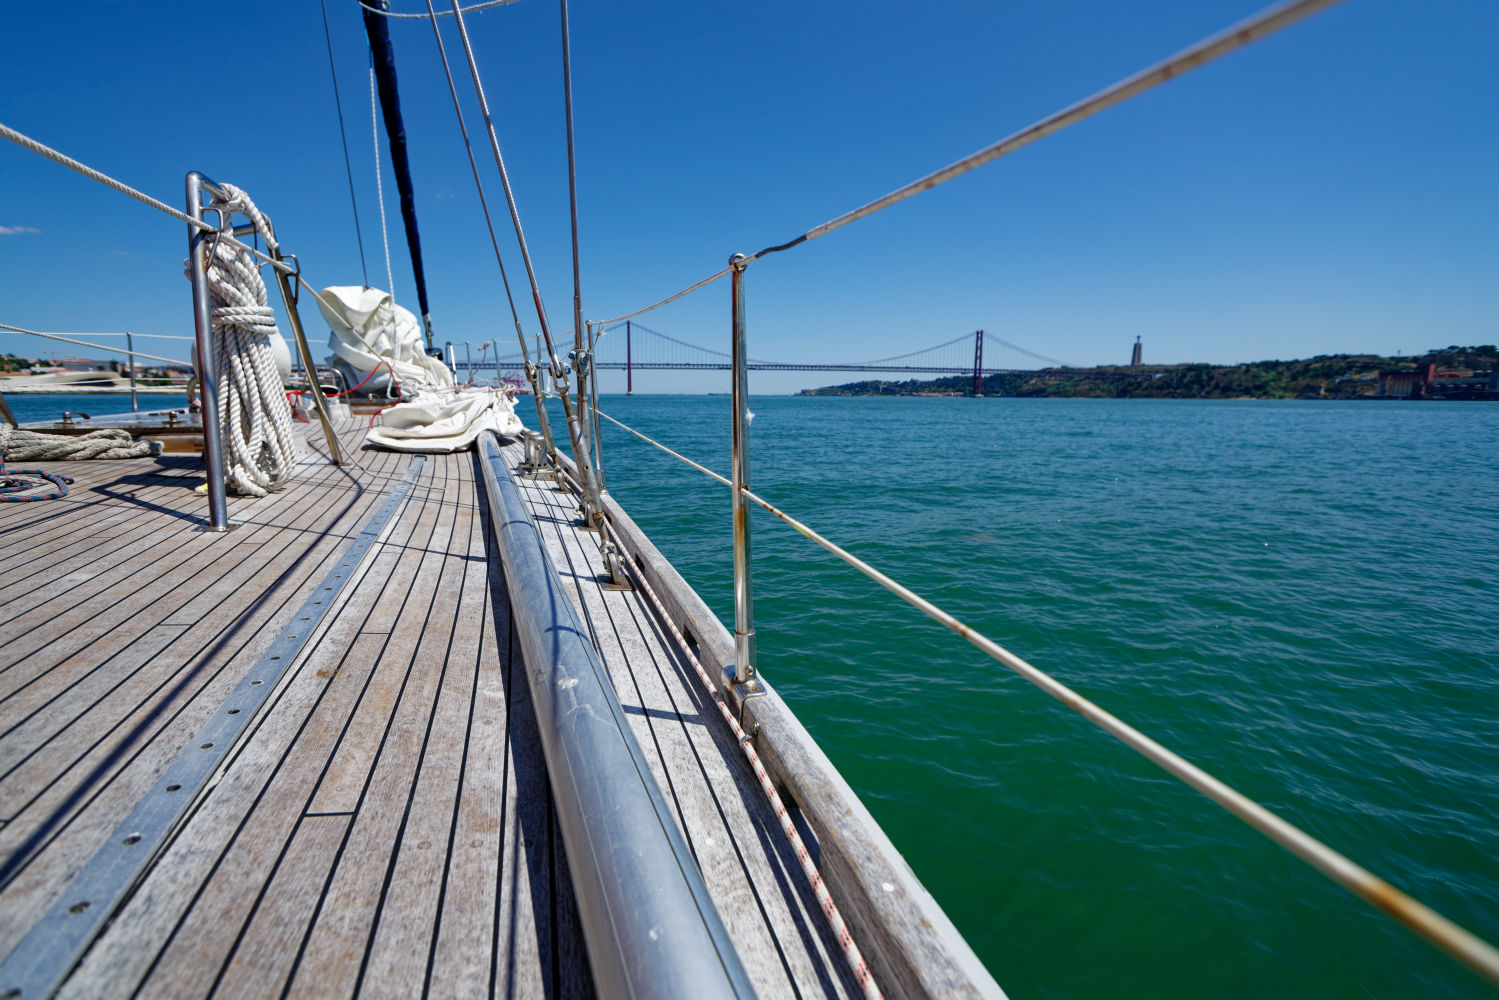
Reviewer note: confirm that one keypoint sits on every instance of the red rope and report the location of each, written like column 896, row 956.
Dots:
column 393, row 379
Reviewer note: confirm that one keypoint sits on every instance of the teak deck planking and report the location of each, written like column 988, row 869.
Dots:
column 384, row 826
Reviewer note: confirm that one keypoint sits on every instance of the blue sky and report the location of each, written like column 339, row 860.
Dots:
column 1332, row 188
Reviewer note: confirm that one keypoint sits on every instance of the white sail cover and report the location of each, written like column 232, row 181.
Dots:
column 367, row 328
column 443, row 422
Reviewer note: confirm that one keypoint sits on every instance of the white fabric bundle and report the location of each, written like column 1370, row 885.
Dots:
column 368, row 331
column 443, row 422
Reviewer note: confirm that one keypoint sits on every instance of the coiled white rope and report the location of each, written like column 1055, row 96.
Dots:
column 20, row 445
column 254, row 416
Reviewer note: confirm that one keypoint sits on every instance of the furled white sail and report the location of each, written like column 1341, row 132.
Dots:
column 371, row 336
column 442, row 421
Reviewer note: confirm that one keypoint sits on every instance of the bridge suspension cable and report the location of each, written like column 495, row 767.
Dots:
column 1032, row 354
column 967, row 338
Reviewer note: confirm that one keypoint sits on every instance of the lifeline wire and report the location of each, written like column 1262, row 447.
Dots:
column 1250, row 30
column 1472, row 951
column 97, row 347
column 26, row 142
column 1235, row 37
column 132, row 333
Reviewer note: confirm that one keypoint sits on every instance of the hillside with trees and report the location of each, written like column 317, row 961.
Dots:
column 1334, row 375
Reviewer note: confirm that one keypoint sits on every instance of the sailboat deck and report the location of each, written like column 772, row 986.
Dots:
column 383, row 825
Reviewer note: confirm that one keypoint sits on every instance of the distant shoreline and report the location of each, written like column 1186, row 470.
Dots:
column 1453, row 373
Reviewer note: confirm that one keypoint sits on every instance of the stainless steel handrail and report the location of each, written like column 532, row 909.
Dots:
column 213, row 445
column 649, row 921
column 744, row 606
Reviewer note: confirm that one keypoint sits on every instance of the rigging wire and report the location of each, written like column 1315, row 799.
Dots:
column 572, row 181
column 554, row 362
column 541, row 417
column 380, row 188
column 478, row 183
column 344, row 137
column 582, row 447
column 471, row 9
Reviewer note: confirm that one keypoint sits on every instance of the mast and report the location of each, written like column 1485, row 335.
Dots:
column 384, row 57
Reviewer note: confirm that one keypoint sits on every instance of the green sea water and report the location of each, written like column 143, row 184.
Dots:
column 1299, row 597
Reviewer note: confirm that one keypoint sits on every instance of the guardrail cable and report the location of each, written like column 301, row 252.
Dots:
column 1457, row 942
column 84, row 343
column 26, row 142
column 671, row 298
column 1250, row 30
column 703, row 469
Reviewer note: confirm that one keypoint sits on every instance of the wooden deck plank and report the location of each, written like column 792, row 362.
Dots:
column 50, row 547
column 412, row 899
column 385, row 827
column 344, row 781
column 537, row 942
column 337, row 949
column 208, row 627
column 115, row 770
column 463, row 954
column 232, row 568
column 139, row 584
column 261, row 966
column 196, row 903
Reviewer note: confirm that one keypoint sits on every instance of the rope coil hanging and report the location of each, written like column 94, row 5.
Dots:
column 254, row 416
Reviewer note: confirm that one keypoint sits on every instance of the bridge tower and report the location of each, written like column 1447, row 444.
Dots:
column 978, row 362
column 629, row 364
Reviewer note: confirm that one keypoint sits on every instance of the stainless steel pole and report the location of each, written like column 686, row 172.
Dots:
column 135, row 406
column 320, row 403
column 468, row 353
column 593, row 412
column 208, row 385
column 744, row 609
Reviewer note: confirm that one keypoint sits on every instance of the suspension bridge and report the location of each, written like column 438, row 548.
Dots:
column 631, row 347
